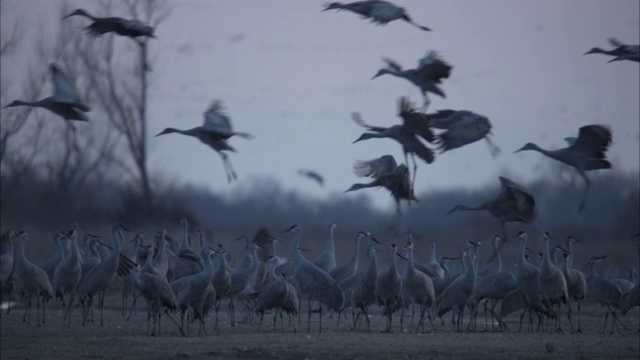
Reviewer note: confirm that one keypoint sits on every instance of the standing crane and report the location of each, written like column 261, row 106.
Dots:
column 431, row 70
column 132, row 28
column 50, row 265
column 418, row 288
column 620, row 51
column 99, row 277
column 461, row 127
column 552, row 282
column 390, row 287
column 66, row 277
column 273, row 296
column 65, row 101
column 576, row 280
column 351, row 266
column 214, row 132
column 6, row 261
column 314, row 284
column 365, row 291
column 33, row 280
column 326, row 261
column 192, row 290
column 456, row 296
column 587, row 153
column 605, row 292
column 386, row 173
column 380, row 12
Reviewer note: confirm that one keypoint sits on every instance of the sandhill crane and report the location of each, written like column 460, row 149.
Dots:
column 273, row 296
column 65, row 101
column 157, row 291
column 33, row 280
column 461, row 127
column 586, row 154
column 314, row 284
column 495, row 287
column 160, row 259
column 388, row 174
column 459, row 292
column 625, row 284
column 418, row 288
column 364, row 292
column 414, row 125
column 192, row 290
column 312, row 175
column 50, row 265
column 66, row 277
column 427, row 76
column 528, row 279
column 389, row 287
column 433, row 265
column 552, row 282
column 326, row 261
column 439, row 284
column 124, row 27
column 631, row 299
column 188, row 262
column 576, row 286
column 221, row 280
column 128, row 282
column 99, row 277
column 605, row 291
column 494, row 264
column 241, row 280
column 620, row 51
column 214, row 132
column 512, row 204
column 350, row 267
column 265, row 251
column 380, row 12
column 6, row 258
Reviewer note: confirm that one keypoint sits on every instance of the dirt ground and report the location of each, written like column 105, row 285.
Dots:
column 121, row 339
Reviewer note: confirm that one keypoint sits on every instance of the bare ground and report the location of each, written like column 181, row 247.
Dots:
column 121, row 339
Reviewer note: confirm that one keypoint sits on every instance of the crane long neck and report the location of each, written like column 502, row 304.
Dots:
column 546, row 257
column 184, row 245
column 354, row 257
column 373, row 263
column 569, row 259
column 117, row 243
column 394, row 264
column 74, row 253
column 330, row 244
column 295, row 250
column 523, row 252
column 432, row 255
column 471, row 269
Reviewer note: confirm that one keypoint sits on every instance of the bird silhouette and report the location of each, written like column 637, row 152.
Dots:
column 427, row 76
column 620, row 51
column 462, row 127
column 380, row 12
column 65, row 101
column 214, row 132
column 512, row 204
column 312, row 175
column 415, row 125
column 386, row 173
column 125, row 27
column 587, row 153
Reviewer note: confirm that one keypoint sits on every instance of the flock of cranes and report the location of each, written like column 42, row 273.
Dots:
column 172, row 277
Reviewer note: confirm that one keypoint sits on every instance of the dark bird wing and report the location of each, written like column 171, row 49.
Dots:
column 433, row 68
column 517, row 200
column 357, row 118
column 593, row 141
column 415, row 122
column 375, row 168
column 464, row 127
column 215, row 119
column 313, row 175
column 392, row 65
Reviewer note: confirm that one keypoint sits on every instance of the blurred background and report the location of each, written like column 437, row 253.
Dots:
column 291, row 75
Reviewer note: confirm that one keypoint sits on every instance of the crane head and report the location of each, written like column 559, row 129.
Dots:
column 79, row 12
column 291, row 228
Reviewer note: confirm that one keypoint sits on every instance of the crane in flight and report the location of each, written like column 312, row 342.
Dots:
column 214, row 132
column 65, row 101
column 380, row 12
column 588, row 152
column 414, row 125
column 427, row 76
column 387, row 174
column 461, row 127
column 512, row 204
column 620, row 51
column 132, row 28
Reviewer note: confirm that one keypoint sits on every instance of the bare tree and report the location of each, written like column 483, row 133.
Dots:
column 119, row 75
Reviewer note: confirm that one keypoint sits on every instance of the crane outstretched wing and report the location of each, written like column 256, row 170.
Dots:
column 392, row 65
column 375, row 168
column 593, row 141
column 415, row 122
column 63, row 89
column 357, row 118
column 216, row 120
column 433, row 68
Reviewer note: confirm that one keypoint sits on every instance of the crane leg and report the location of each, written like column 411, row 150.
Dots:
column 494, row 150
column 579, row 331
column 228, row 168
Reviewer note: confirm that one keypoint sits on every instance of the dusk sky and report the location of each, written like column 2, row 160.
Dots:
column 291, row 75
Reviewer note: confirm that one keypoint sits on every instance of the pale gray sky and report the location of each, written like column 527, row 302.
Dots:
column 291, row 74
